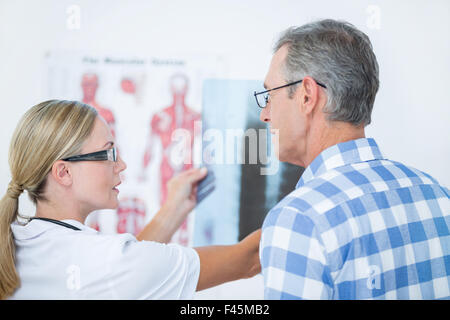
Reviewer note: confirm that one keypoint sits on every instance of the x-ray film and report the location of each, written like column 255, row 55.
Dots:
column 237, row 149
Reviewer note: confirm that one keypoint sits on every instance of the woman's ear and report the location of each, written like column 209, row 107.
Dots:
column 62, row 173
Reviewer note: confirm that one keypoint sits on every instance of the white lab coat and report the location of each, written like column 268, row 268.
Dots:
column 55, row 262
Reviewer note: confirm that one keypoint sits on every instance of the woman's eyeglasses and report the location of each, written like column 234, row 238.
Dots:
column 110, row 154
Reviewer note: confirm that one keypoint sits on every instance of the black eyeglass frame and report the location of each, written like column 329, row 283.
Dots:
column 284, row 86
column 110, row 154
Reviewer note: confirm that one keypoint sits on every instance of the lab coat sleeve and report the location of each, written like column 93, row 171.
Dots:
column 151, row 270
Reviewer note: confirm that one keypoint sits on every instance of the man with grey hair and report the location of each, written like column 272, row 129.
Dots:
column 357, row 226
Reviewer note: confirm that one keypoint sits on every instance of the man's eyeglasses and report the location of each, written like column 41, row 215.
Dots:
column 110, row 154
column 262, row 98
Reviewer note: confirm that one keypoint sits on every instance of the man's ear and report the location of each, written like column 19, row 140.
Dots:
column 62, row 173
column 309, row 95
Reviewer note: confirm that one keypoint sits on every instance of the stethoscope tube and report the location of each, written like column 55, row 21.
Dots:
column 56, row 222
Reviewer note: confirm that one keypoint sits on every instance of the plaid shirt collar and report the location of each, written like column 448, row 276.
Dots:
column 341, row 154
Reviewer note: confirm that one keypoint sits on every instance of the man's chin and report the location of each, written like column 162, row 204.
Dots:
column 282, row 158
column 289, row 157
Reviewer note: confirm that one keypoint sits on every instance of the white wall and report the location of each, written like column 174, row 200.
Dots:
column 411, row 116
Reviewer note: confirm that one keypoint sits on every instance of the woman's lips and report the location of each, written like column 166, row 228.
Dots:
column 115, row 187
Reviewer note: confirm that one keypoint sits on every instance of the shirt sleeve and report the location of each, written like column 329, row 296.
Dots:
column 152, row 270
column 293, row 258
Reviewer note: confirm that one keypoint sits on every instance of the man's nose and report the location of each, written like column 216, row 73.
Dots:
column 264, row 115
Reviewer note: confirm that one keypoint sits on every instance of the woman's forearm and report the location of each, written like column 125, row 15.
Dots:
column 220, row 264
column 160, row 228
column 181, row 199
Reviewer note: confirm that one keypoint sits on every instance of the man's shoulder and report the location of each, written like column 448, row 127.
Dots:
column 354, row 180
column 293, row 212
column 332, row 189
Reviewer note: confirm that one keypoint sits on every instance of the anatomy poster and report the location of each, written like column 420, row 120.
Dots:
column 146, row 101
column 237, row 148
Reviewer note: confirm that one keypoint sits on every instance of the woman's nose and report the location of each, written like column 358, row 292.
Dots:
column 120, row 164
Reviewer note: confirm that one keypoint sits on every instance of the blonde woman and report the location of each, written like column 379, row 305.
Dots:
column 62, row 153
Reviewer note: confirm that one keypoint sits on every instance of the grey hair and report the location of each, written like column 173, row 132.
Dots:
column 340, row 56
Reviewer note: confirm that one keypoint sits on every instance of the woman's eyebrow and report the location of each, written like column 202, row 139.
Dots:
column 109, row 142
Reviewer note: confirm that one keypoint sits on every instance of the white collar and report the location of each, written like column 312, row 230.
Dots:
column 36, row 227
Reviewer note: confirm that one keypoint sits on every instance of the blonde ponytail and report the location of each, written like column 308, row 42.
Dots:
column 9, row 211
column 49, row 131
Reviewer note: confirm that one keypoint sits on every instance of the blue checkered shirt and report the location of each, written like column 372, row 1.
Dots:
column 358, row 226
